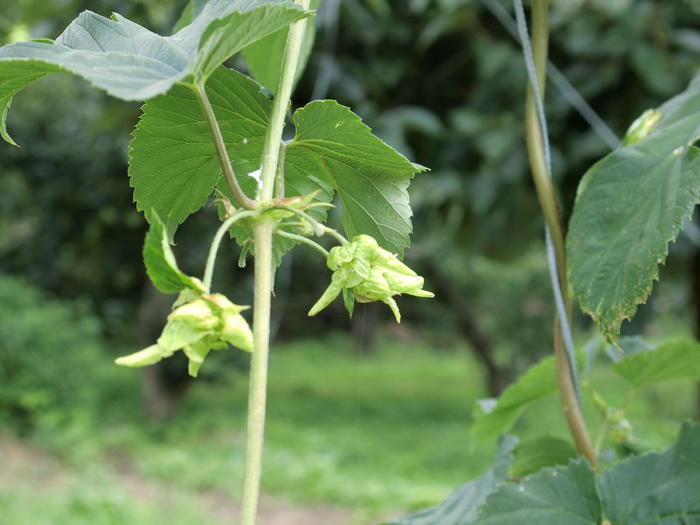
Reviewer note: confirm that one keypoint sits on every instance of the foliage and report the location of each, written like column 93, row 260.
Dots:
column 494, row 417
column 535, row 454
column 630, row 205
column 625, row 494
column 668, row 361
column 462, row 505
column 129, row 62
column 51, row 359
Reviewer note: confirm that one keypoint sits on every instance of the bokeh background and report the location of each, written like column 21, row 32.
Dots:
column 366, row 418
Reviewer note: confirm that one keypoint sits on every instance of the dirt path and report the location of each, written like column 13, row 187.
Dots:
column 35, row 469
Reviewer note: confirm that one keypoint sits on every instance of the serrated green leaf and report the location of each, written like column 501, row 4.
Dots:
column 173, row 165
column 334, row 146
column 160, row 262
column 264, row 57
column 630, row 205
column 461, row 506
column 132, row 63
column 663, row 489
column 674, row 360
column 537, row 382
column 533, row 455
column 560, row 495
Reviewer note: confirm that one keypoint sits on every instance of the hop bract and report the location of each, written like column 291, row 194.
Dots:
column 204, row 323
column 365, row 272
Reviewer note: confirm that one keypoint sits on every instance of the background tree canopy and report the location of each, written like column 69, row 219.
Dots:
column 440, row 80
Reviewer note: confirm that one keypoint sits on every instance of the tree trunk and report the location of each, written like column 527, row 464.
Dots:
column 156, row 398
column 497, row 378
column 364, row 327
column 695, row 298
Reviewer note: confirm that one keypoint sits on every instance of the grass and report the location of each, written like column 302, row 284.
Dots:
column 342, row 428
column 370, row 435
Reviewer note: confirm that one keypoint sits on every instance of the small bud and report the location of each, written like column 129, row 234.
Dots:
column 642, row 127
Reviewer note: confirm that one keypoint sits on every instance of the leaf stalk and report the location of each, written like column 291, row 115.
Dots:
column 273, row 138
column 241, row 198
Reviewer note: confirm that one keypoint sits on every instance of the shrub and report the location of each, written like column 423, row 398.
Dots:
column 50, row 359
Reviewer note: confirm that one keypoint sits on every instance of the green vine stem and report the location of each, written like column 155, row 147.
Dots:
column 550, row 210
column 263, row 277
column 257, row 389
column 238, row 193
column 273, row 138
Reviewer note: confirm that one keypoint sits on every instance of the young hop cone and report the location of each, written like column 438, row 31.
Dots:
column 204, row 323
column 365, row 272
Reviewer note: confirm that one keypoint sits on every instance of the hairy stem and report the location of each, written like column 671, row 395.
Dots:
column 273, row 138
column 257, row 391
column 550, row 210
column 241, row 198
column 263, row 278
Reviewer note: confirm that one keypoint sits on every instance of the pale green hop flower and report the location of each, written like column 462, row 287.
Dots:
column 365, row 272
column 196, row 327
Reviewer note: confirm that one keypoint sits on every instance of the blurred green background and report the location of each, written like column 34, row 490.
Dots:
column 367, row 419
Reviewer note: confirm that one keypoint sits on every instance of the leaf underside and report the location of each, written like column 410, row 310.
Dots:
column 130, row 62
column 630, row 205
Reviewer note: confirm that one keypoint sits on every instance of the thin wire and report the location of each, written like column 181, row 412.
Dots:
column 568, row 91
column 551, row 258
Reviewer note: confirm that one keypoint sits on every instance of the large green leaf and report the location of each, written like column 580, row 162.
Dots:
column 460, row 508
column 333, row 146
column 659, row 489
column 132, row 63
column 630, row 205
column 172, row 159
column 264, row 57
column 533, row 455
column 537, row 382
column 560, row 495
column 675, row 360
column 160, row 262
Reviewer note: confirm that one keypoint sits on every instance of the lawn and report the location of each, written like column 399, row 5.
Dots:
column 351, row 439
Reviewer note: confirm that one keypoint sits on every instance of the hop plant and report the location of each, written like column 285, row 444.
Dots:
column 365, row 272
column 204, row 323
